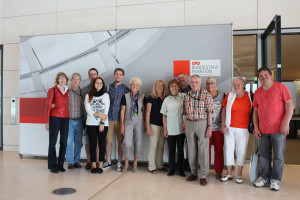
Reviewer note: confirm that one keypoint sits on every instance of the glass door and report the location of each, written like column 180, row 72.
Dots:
column 271, row 47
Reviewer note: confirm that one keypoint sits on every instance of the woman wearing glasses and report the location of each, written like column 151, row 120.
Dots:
column 131, row 122
column 57, row 119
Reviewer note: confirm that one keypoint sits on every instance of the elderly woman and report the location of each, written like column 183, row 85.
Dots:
column 172, row 120
column 154, row 126
column 57, row 119
column 131, row 121
column 97, row 105
column 235, row 120
column 217, row 138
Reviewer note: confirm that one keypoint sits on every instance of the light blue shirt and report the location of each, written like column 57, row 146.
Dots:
column 171, row 107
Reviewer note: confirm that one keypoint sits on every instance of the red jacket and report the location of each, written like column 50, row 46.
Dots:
column 60, row 101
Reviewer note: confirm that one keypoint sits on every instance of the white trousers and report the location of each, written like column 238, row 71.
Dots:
column 236, row 139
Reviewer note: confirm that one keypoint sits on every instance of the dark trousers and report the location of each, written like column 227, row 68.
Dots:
column 57, row 124
column 174, row 140
column 93, row 132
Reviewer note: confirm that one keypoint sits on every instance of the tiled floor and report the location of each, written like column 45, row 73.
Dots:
column 29, row 178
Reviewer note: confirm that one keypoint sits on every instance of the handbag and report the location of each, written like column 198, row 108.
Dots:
column 254, row 169
column 251, row 125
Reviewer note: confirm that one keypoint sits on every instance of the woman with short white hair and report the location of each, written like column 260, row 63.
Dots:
column 235, row 121
column 131, row 121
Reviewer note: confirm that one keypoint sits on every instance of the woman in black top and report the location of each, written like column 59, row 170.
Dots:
column 154, row 126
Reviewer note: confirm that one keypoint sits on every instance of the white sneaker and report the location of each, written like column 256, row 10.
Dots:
column 119, row 167
column 106, row 165
column 226, row 178
column 261, row 183
column 274, row 187
column 239, row 180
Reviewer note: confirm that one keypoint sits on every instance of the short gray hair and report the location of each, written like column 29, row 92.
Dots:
column 211, row 78
column 76, row 74
column 196, row 76
column 243, row 79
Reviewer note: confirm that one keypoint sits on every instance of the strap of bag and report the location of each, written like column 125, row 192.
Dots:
column 53, row 94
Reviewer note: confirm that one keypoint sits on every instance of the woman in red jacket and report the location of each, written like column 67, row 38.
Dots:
column 57, row 119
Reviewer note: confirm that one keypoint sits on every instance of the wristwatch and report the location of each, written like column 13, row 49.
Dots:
column 208, row 125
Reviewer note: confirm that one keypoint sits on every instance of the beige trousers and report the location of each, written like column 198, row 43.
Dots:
column 198, row 147
column 156, row 147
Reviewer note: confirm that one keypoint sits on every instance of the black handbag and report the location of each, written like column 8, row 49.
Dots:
column 251, row 125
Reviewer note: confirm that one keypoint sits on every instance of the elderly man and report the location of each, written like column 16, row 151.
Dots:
column 93, row 73
column 115, row 90
column 183, row 83
column 74, row 143
column 197, row 111
column 273, row 110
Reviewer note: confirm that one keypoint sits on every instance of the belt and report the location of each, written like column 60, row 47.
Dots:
column 195, row 120
column 75, row 118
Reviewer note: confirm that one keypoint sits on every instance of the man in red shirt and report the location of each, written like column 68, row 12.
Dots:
column 273, row 110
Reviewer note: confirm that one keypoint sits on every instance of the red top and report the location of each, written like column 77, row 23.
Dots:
column 60, row 101
column 271, row 107
column 240, row 111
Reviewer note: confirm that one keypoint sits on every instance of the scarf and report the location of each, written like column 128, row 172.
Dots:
column 134, row 104
column 98, row 93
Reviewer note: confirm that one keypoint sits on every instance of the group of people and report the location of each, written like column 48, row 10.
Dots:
column 184, row 114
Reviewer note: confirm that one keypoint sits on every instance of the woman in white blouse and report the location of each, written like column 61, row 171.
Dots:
column 97, row 105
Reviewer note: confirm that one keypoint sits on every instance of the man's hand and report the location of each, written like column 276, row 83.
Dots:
column 52, row 106
column 257, row 133
column 285, row 129
column 165, row 133
column 122, row 129
column 208, row 132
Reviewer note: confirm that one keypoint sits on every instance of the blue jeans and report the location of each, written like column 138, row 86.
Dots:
column 276, row 141
column 74, row 143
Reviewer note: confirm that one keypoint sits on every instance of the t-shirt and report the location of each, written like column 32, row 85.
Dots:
column 216, row 115
column 240, row 111
column 271, row 107
column 155, row 115
column 98, row 104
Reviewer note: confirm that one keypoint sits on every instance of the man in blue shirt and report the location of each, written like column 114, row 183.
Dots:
column 115, row 90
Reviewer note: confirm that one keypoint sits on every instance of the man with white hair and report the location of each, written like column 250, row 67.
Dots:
column 197, row 111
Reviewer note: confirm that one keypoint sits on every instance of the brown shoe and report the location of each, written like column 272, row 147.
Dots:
column 88, row 166
column 191, row 178
column 203, row 182
column 218, row 176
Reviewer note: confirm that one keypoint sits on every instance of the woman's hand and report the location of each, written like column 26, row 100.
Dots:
column 183, row 126
column 149, row 133
column 122, row 129
column 52, row 106
column 47, row 127
column 223, row 129
column 101, row 128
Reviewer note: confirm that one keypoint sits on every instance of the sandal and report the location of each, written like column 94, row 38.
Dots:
column 153, row 171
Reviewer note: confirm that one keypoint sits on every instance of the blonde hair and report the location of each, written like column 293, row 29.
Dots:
column 136, row 79
column 61, row 74
column 154, row 93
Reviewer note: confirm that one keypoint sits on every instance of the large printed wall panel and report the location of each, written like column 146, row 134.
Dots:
column 150, row 54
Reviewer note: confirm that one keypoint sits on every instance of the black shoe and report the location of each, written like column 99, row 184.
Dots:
column 181, row 173
column 77, row 165
column 61, row 169
column 171, row 172
column 94, row 170
column 100, row 171
column 54, row 171
column 70, row 166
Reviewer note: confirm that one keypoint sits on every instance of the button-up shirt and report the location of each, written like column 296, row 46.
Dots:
column 197, row 104
column 75, row 103
column 115, row 95
column 171, row 107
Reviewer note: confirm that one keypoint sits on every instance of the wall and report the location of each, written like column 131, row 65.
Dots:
column 40, row 17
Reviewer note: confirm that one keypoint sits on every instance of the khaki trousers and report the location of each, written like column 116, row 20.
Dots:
column 198, row 147
column 156, row 147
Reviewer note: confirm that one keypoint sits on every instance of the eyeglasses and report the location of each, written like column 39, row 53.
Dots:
column 61, row 78
column 210, row 83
